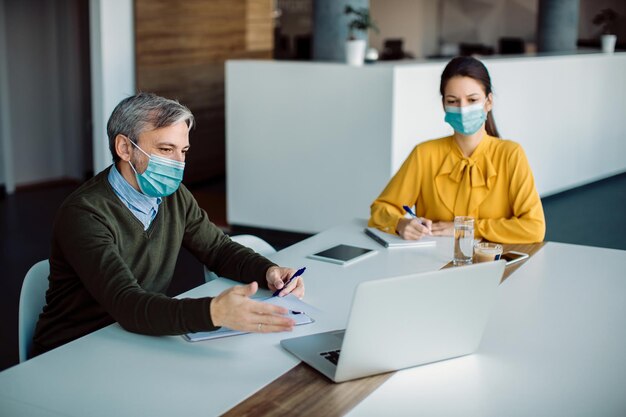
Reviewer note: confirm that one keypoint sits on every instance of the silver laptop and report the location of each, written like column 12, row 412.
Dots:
column 405, row 321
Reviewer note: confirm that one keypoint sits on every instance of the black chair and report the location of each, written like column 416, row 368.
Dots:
column 469, row 49
column 393, row 50
column 303, row 48
column 509, row 46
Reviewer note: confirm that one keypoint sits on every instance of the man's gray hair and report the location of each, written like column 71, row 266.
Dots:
column 142, row 112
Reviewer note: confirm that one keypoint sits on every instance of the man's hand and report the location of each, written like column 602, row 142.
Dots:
column 414, row 229
column 234, row 309
column 443, row 229
column 277, row 276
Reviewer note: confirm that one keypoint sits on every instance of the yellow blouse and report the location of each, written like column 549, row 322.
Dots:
column 495, row 186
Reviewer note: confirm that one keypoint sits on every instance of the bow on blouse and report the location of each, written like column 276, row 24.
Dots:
column 463, row 183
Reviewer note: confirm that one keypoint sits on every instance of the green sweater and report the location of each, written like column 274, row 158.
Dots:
column 104, row 267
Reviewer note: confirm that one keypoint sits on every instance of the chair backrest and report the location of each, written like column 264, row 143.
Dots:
column 32, row 300
column 253, row 242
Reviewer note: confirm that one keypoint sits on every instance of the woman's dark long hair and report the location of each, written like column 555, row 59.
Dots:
column 467, row 66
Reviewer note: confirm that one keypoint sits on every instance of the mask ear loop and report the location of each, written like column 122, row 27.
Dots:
column 133, row 168
column 136, row 146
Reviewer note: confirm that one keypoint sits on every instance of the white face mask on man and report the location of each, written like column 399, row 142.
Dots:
column 162, row 176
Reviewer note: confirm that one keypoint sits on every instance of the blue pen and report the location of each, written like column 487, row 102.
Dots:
column 296, row 275
column 408, row 210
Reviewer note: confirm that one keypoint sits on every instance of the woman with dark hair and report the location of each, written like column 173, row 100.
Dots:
column 471, row 173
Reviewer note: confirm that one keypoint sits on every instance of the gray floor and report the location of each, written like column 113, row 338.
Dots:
column 591, row 215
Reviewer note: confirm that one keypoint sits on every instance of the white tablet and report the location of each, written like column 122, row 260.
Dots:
column 343, row 254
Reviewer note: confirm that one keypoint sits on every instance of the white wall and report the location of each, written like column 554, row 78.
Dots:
column 112, row 42
column 311, row 145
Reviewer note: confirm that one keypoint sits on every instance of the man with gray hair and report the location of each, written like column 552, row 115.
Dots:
column 116, row 241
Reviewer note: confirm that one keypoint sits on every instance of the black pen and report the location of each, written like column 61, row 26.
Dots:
column 297, row 274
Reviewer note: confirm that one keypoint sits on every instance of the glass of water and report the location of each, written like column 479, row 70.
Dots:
column 463, row 240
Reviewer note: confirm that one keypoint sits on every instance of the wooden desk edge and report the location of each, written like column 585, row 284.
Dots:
column 303, row 391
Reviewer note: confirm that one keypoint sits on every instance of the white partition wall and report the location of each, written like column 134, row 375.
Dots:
column 306, row 143
column 310, row 145
column 568, row 115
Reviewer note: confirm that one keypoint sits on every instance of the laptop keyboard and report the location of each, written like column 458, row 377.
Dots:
column 332, row 355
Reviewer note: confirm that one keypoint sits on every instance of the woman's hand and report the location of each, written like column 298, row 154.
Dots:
column 443, row 229
column 414, row 229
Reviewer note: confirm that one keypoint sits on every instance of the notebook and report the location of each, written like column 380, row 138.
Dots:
column 395, row 241
column 404, row 321
column 298, row 311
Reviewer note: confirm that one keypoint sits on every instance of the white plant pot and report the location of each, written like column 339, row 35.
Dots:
column 608, row 43
column 355, row 52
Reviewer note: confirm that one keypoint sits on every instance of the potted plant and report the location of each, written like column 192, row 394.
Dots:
column 360, row 22
column 606, row 19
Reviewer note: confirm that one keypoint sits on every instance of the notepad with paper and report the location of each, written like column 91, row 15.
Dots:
column 298, row 311
column 395, row 241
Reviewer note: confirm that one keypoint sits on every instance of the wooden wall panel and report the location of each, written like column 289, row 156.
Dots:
column 181, row 47
column 259, row 25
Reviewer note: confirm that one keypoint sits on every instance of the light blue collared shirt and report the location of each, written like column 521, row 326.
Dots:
column 143, row 207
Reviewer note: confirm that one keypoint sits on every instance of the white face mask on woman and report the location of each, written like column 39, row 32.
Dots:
column 466, row 120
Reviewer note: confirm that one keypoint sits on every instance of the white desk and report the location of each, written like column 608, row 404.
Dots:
column 112, row 372
column 554, row 346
